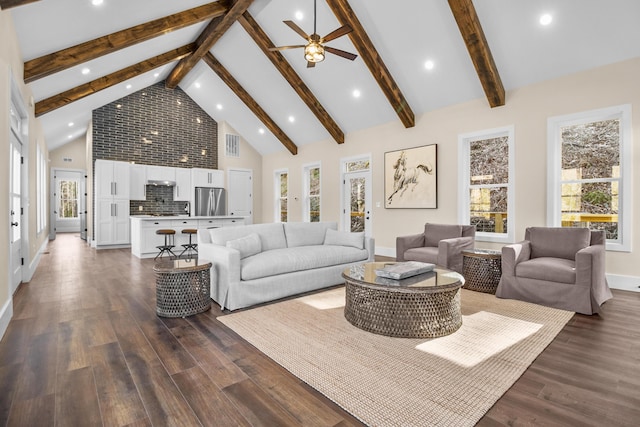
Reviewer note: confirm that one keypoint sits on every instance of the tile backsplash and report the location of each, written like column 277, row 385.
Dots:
column 159, row 201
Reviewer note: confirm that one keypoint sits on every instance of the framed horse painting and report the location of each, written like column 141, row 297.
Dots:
column 410, row 178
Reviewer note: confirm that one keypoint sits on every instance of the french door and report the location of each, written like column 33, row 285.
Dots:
column 15, row 213
column 357, row 202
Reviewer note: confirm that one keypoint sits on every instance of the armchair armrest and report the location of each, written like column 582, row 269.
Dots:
column 590, row 266
column 407, row 242
column 226, row 264
column 450, row 251
column 514, row 254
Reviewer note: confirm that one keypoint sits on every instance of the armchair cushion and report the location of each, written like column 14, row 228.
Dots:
column 433, row 233
column 424, row 254
column 557, row 242
column 548, row 269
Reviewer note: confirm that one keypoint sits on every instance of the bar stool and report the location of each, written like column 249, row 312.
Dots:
column 168, row 242
column 189, row 247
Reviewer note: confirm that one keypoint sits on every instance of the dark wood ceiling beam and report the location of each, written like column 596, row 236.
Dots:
column 360, row 39
column 262, row 40
column 72, row 56
column 241, row 93
column 82, row 91
column 465, row 14
column 7, row 4
column 216, row 28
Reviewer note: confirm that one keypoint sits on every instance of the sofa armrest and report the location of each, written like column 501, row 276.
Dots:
column 226, row 263
column 370, row 246
column 450, row 252
column 407, row 242
column 590, row 266
column 514, row 254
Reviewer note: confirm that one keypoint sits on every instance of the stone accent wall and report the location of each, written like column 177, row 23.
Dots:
column 156, row 126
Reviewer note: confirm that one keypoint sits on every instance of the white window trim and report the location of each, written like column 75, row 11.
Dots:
column 276, row 192
column 306, row 206
column 554, row 165
column 463, row 185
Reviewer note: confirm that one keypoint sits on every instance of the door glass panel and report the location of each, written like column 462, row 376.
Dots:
column 357, row 204
column 68, row 199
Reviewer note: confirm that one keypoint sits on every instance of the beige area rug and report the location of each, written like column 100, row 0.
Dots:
column 448, row 381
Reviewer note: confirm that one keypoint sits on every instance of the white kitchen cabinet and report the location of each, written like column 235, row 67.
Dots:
column 138, row 182
column 207, row 178
column 182, row 191
column 112, row 179
column 112, row 222
column 161, row 173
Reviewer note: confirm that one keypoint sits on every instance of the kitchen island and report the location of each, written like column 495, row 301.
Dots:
column 144, row 240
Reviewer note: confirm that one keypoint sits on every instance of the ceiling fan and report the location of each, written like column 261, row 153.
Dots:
column 314, row 50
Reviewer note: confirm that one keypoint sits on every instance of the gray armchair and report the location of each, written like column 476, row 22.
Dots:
column 557, row 267
column 440, row 244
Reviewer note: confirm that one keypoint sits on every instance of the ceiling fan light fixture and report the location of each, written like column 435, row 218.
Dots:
column 314, row 52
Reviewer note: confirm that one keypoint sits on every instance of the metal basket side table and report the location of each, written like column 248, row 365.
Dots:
column 182, row 287
column 482, row 270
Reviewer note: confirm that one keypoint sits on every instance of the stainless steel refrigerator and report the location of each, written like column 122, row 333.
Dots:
column 210, row 202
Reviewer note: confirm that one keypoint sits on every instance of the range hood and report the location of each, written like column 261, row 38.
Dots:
column 161, row 182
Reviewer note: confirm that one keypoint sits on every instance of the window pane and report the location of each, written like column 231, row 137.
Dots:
column 591, row 150
column 314, row 182
column 489, row 161
column 283, row 210
column 360, row 165
column 357, row 204
column 314, row 209
column 488, row 209
column 68, row 199
column 593, row 205
column 283, row 185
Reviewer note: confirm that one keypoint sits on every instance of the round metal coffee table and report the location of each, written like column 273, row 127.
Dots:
column 422, row 306
column 182, row 287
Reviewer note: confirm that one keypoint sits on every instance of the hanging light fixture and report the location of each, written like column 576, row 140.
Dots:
column 314, row 51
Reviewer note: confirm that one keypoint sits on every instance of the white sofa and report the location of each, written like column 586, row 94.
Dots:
column 257, row 263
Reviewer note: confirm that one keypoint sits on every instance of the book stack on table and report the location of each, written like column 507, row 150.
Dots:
column 402, row 270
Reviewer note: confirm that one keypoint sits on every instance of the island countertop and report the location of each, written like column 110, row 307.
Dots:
column 181, row 217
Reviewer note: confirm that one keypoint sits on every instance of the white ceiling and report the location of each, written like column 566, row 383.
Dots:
column 584, row 34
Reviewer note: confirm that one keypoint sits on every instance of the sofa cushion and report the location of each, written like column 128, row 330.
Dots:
column 557, row 242
column 281, row 261
column 306, row 233
column 548, row 269
column 433, row 233
column 426, row 254
column 247, row 246
column 271, row 235
column 343, row 238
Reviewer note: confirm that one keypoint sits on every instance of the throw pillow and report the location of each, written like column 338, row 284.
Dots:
column 247, row 246
column 433, row 233
column 342, row 238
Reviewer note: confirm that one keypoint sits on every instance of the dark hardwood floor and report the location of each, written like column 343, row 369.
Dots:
column 86, row 348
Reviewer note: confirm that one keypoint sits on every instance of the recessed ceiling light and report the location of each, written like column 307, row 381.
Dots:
column 70, row 124
column 197, row 85
column 85, row 71
column 97, row 2
column 128, row 86
column 356, row 93
column 219, row 106
column 156, row 74
column 70, row 136
column 292, row 119
column 299, row 15
column 546, row 19
column 261, row 131
column 429, row 64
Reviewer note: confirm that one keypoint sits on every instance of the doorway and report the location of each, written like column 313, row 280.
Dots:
column 240, row 194
column 357, row 195
column 68, row 197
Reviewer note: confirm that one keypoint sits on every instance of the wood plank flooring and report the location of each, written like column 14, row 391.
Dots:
column 85, row 348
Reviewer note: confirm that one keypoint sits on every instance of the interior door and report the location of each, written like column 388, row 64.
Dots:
column 240, row 194
column 357, row 202
column 68, row 191
column 15, row 212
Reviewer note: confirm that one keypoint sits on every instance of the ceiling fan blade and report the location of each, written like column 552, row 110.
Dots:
column 310, row 64
column 341, row 53
column 297, row 29
column 286, row 47
column 345, row 29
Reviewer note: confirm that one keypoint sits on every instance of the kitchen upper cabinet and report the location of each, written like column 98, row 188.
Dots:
column 207, row 178
column 161, row 173
column 138, row 182
column 112, row 179
column 183, row 190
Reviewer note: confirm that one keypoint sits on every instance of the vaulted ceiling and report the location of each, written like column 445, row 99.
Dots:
column 219, row 54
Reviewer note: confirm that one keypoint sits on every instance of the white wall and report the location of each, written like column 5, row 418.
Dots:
column 527, row 109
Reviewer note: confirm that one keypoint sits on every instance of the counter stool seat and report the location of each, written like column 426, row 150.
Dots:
column 168, row 242
column 189, row 247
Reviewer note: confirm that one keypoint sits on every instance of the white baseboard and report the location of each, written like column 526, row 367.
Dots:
column 27, row 273
column 625, row 283
column 5, row 316
column 390, row 252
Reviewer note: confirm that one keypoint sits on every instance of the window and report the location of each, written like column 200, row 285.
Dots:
column 486, row 187
column 589, row 157
column 312, row 193
column 68, row 192
column 41, row 190
column 281, row 192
